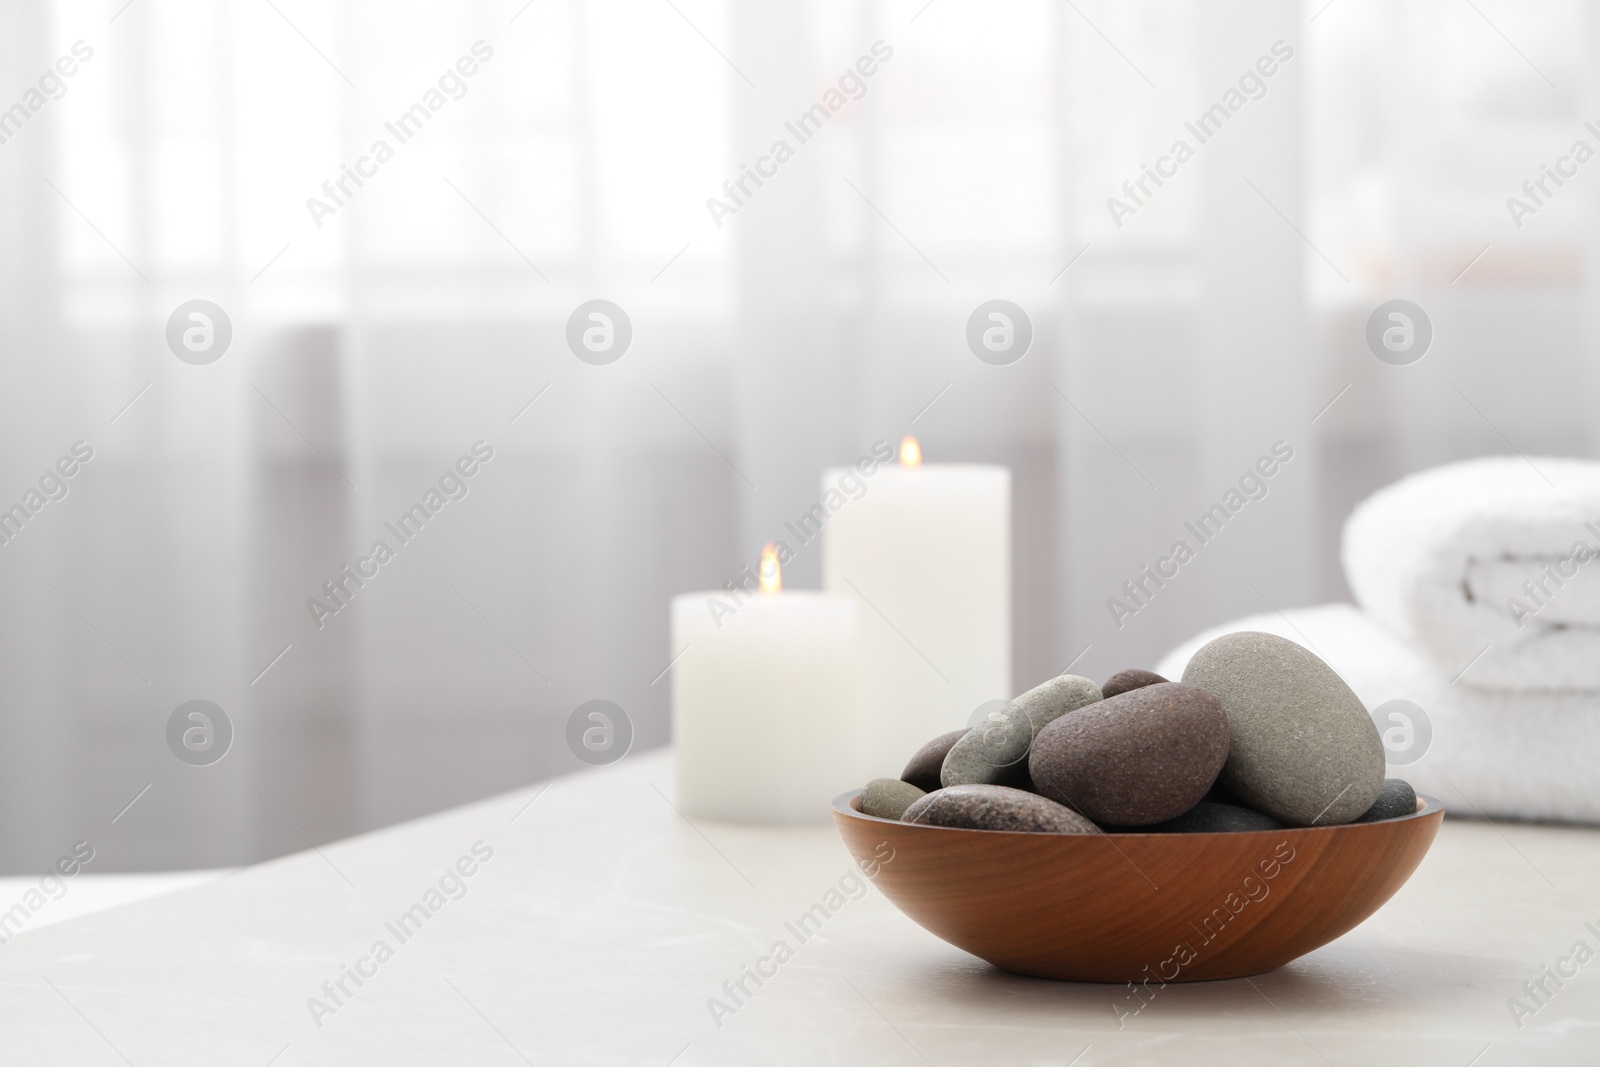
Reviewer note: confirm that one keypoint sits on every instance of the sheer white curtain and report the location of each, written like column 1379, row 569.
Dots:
column 568, row 153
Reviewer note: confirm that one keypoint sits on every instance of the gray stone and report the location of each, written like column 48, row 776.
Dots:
column 996, row 751
column 1048, row 701
column 888, row 798
column 923, row 769
column 1395, row 799
column 1128, row 680
column 1209, row 818
column 1303, row 748
column 1218, row 794
column 1145, row 756
column 996, row 807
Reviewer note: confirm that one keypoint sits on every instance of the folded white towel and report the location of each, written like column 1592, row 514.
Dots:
column 1495, row 754
column 1491, row 567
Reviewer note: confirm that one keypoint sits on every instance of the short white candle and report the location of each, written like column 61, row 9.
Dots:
column 927, row 552
column 764, row 704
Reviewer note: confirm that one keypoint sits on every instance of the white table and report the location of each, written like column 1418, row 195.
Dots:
column 88, row 893
column 604, row 921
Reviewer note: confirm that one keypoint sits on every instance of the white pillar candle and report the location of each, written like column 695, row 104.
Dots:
column 926, row 550
column 764, row 703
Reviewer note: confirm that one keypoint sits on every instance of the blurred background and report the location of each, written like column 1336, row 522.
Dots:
column 373, row 344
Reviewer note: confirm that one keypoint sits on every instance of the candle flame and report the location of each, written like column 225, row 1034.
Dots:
column 771, row 573
column 910, row 452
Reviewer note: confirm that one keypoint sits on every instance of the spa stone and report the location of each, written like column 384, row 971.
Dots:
column 1218, row 794
column 923, row 769
column 1302, row 747
column 996, row 751
column 1128, row 680
column 1048, row 701
column 996, row 807
column 888, row 798
column 1143, row 757
column 1207, row 817
column 1395, row 799
column 991, row 752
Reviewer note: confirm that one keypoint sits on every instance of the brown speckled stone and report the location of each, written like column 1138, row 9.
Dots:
column 996, row 807
column 1129, row 680
column 888, row 798
column 923, row 769
column 1302, row 747
column 1144, row 757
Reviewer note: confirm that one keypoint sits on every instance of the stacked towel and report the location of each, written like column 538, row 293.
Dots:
column 1479, row 593
column 1493, row 563
column 1494, row 754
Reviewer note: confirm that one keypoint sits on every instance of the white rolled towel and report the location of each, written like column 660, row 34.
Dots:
column 1491, row 567
column 1491, row 754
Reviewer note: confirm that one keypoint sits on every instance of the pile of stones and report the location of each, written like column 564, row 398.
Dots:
column 1260, row 734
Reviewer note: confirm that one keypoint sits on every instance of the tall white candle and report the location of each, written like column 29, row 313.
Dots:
column 926, row 550
column 764, row 698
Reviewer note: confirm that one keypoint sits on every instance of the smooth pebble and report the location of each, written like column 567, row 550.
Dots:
column 1207, row 817
column 888, row 798
column 1395, row 799
column 1128, row 680
column 996, row 751
column 996, row 807
column 1303, row 748
column 923, row 769
column 1145, row 756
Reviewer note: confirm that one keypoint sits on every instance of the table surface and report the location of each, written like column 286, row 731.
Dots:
column 602, row 922
column 89, row 893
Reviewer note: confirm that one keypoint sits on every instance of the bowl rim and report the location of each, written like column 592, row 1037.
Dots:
column 844, row 804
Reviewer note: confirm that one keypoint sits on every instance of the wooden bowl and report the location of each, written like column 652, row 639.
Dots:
column 1138, row 907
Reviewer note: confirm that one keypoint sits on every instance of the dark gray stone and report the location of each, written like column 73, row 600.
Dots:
column 1143, row 757
column 996, row 807
column 1395, row 799
column 888, row 798
column 923, row 769
column 1218, row 794
column 1209, row 818
column 996, row 751
column 1128, row 680
column 1303, row 748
